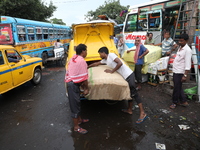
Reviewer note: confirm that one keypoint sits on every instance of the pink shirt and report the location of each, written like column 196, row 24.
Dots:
column 182, row 60
column 77, row 70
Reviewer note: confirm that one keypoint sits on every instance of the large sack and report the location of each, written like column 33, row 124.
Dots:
column 107, row 86
column 153, row 55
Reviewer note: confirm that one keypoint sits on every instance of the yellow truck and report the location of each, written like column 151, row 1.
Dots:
column 94, row 35
column 16, row 69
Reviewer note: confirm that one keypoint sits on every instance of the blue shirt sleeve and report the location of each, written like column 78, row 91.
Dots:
column 142, row 49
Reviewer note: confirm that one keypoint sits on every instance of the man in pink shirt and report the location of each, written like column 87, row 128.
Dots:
column 76, row 77
column 181, row 68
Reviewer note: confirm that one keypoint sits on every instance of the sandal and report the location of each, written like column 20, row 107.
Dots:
column 81, row 130
column 172, row 106
column 83, row 121
column 141, row 120
column 185, row 104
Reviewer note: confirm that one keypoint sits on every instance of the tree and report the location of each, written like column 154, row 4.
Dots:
column 27, row 9
column 57, row 21
column 111, row 8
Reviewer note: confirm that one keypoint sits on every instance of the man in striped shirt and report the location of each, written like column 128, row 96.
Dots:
column 76, row 77
column 168, row 44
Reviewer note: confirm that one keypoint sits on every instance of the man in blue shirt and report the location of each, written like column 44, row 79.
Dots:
column 140, row 52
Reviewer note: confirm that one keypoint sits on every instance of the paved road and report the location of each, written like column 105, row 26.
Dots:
column 38, row 117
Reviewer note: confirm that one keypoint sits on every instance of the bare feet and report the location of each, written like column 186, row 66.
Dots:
column 83, row 121
column 127, row 111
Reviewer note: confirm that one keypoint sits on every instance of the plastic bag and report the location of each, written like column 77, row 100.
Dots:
column 190, row 91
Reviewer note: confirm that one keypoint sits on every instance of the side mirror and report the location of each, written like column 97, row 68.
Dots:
column 25, row 59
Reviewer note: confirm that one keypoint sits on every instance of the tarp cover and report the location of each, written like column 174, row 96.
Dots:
column 106, row 86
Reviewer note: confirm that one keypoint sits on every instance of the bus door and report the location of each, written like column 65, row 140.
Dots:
column 154, row 24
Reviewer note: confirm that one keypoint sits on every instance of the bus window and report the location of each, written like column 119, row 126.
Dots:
column 154, row 22
column 142, row 22
column 39, row 33
column 31, row 35
column 21, row 33
column 1, row 59
column 5, row 34
column 131, row 23
column 55, row 32
column 51, row 33
column 45, row 33
column 62, row 33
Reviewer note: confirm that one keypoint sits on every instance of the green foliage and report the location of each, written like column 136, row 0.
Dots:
column 111, row 8
column 57, row 21
column 27, row 9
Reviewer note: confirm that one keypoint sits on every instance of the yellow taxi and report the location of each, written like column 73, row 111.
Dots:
column 16, row 69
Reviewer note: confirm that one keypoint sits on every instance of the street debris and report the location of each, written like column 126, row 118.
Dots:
column 184, row 127
column 160, row 146
column 182, row 118
column 69, row 131
column 29, row 100
column 165, row 111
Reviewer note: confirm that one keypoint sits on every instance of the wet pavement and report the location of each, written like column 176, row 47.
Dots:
column 38, row 117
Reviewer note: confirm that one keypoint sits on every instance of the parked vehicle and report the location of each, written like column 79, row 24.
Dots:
column 33, row 38
column 94, row 34
column 16, row 69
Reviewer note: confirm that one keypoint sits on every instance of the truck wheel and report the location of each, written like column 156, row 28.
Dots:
column 44, row 57
column 37, row 76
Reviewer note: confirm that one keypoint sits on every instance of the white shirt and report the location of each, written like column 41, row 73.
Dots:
column 124, row 70
column 182, row 60
column 57, row 45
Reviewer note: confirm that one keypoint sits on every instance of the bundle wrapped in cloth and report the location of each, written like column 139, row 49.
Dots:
column 106, row 86
column 153, row 55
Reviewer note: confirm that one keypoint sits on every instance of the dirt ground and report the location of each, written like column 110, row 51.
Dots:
column 164, row 121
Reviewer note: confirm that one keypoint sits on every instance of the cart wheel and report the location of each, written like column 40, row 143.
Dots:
column 44, row 57
column 63, row 60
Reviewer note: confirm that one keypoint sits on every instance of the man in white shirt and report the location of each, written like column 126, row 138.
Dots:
column 58, row 44
column 181, row 68
column 116, row 64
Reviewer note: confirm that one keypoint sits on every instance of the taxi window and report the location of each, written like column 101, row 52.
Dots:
column 1, row 59
column 13, row 55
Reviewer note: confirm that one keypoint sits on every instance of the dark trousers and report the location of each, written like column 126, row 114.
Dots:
column 131, row 82
column 74, row 98
column 178, row 94
column 138, row 73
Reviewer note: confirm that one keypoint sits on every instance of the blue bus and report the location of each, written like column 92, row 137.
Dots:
column 33, row 38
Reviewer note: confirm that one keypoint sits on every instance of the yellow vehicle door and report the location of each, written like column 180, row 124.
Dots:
column 6, row 81
column 21, row 70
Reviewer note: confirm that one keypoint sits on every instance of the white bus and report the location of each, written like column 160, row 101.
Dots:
column 154, row 17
